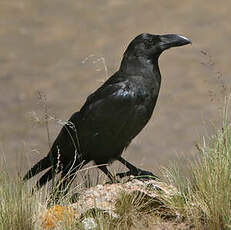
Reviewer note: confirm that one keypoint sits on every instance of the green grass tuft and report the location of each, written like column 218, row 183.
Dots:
column 17, row 206
column 204, row 197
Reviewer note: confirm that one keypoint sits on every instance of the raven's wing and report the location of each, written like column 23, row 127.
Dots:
column 111, row 117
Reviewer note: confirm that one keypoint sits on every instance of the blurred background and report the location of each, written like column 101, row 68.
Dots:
column 53, row 54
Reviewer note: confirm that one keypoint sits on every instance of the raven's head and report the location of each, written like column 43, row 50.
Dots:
column 151, row 46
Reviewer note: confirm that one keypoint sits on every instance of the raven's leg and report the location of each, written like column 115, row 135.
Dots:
column 107, row 172
column 133, row 170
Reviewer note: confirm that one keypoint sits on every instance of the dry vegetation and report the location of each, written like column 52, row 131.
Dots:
column 202, row 201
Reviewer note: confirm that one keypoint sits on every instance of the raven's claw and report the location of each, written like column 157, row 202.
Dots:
column 138, row 173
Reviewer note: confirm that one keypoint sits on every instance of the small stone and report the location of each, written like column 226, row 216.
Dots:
column 89, row 223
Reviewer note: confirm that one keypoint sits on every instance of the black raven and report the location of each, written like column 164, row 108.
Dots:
column 111, row 116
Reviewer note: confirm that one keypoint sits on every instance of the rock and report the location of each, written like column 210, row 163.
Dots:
column 57, row 215
column 103, row 198
column 89, row 223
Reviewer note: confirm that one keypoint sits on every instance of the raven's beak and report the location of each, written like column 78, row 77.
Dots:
column 171, row 40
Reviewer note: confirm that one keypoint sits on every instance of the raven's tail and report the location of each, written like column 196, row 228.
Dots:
column 38, row 167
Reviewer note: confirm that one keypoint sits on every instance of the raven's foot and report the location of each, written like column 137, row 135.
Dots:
column 138, row 173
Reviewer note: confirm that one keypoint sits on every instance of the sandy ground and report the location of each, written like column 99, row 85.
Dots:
column 57, row 49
